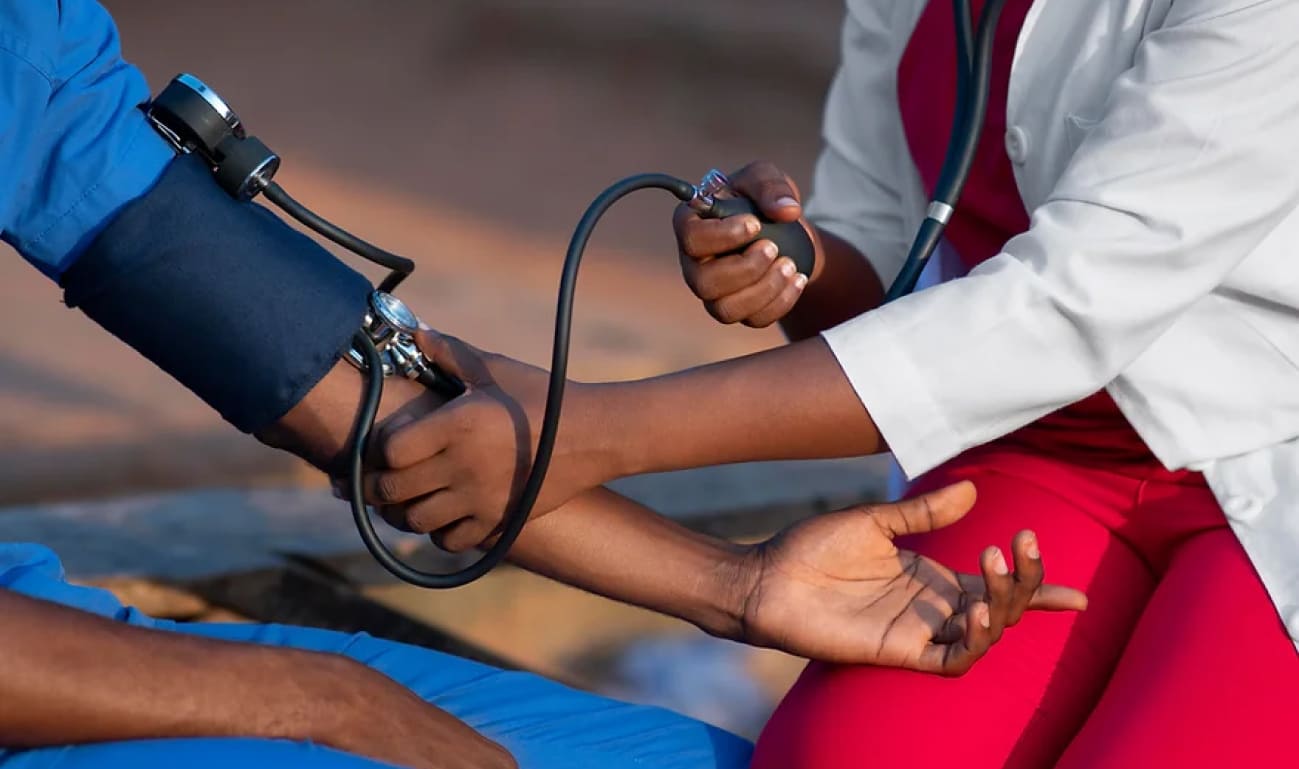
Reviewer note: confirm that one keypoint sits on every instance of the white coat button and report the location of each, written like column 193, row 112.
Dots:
column 1242, row 508
column 1017, row 145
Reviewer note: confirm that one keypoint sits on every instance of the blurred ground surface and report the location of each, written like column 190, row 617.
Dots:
column 469, row 135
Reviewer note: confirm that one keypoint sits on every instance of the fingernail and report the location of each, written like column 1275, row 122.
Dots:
column 424, row 326
column 1031, row 549
column 787, row 268
column 800, row 282
column 999, row 563
column 785, row 202
column 770, row 251
column 984, row 619
column 751, row 225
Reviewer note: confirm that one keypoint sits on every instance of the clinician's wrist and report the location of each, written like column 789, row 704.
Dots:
column 845, row 285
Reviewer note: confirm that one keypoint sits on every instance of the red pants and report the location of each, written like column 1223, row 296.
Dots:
column 1181, row 661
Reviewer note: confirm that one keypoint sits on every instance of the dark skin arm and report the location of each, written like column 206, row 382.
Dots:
column 455, row 470
column 57, row 688
column 813, row 408
column 68, row 677
column 319, row 428
column 797, row 392
column 832, row 588
column 792, row 402
column 863, row 601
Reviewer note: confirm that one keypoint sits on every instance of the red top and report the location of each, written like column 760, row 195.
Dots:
column 990, row 211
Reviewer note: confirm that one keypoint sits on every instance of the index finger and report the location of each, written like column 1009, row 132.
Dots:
column 702, row 238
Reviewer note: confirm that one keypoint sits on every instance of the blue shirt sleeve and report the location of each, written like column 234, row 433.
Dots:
column 74, row 145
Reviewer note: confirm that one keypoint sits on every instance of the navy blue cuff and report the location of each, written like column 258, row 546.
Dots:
column 236, row 305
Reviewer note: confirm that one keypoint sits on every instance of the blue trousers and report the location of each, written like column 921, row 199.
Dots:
column 544, row 724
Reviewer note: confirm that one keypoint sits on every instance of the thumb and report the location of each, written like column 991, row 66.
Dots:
column 926, row 512
column 769, row 187
column 453, row 356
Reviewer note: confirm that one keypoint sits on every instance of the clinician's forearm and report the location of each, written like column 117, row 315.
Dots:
column 846, row 287
column 609, row 545
column 69, row 677
column 791, row 402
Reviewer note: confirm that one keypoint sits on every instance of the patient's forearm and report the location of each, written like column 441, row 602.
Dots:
column 319, row 427
column 607, row 544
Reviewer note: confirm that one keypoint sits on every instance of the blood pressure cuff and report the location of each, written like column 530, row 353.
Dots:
column 236, row 305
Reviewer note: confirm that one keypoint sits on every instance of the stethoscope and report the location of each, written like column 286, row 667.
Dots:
column 196, row 120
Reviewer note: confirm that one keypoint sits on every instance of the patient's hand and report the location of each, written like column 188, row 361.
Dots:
column 835, row 588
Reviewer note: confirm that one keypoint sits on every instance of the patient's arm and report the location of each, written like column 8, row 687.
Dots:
column 832, row 588
column 68, row 677
column 607, row 544
column 319, row 428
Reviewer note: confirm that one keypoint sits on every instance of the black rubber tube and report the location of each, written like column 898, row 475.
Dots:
column 446, row 386
column 961, row 151
column 518, row 516
column 964, row 68
column 276, row 194
column 964, row 36
column 952, row 181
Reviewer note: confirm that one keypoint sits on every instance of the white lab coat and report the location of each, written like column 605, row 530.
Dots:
column 1156, row 145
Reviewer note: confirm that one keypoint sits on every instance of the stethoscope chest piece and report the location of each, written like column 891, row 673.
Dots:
column 391, row 327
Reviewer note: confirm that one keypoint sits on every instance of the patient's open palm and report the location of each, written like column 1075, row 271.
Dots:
column 835, row 588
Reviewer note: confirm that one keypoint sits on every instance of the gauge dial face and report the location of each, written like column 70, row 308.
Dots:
column 394, row 312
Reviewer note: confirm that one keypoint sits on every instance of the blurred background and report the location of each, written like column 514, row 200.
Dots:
column 469, row 135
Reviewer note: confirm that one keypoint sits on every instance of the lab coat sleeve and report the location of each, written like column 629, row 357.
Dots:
column 1195, row 160
column 863, row 184
column 74, row 146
